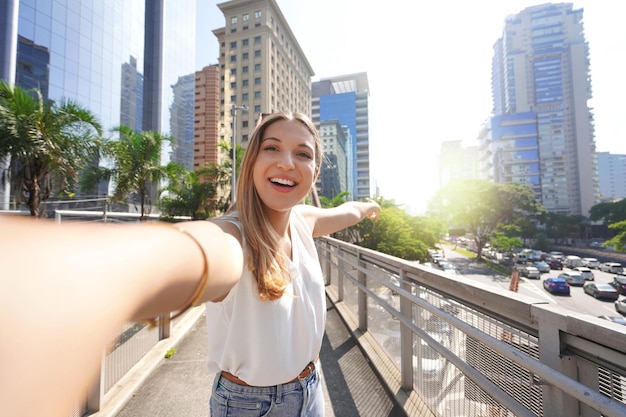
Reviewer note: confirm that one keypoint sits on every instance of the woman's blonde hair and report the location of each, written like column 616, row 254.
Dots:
column 268, row 267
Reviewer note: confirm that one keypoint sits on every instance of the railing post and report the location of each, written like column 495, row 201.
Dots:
column 340, row 272
column 549, row 325
column 165, row 325
column 406, row 337
column 327, row 264
column 362, row 295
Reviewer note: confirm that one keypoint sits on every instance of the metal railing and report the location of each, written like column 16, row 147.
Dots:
column 453, row 347
column 450, row 347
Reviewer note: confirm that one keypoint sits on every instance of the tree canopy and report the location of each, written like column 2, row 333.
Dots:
column 479, row 207
column 48, row 144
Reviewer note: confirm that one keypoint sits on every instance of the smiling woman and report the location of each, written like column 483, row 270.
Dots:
column 256, row 269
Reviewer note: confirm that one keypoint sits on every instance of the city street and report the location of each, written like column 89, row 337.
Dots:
column 578, row 301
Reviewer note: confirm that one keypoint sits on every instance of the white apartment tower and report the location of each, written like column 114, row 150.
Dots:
column 262, row 67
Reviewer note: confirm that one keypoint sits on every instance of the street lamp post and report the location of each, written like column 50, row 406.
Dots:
column 233, row 112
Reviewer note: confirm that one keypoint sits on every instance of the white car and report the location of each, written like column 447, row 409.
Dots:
column 585, row 272
column 573, row 278
column 612, row 267
column 620, row 306
column 591, row 263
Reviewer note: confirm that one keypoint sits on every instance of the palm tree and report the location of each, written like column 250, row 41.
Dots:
column 48, row 144
column 189, row 193
column 136, row 160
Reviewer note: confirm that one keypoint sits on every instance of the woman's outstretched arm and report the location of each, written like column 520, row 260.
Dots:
column 325, row 221
column 66, row 290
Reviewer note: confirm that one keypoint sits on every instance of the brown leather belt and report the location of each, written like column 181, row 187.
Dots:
column 308, row 370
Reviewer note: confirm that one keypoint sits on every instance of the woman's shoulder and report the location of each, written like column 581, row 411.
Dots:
column 230, row 224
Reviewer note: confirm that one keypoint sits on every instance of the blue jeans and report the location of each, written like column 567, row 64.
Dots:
column 303, row 398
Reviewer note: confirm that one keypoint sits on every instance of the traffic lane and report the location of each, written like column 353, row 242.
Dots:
column 578, row 301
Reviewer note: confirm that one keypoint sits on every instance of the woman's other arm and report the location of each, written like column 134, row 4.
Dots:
column 325, row 221
column 66, row 290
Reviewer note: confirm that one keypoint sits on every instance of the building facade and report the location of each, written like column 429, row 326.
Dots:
column 206, row 117
column 611, row 176
column 262, row 67
column 345, row 98
column 457, row 162
column 119, row 59
column 333, row 178
column 541, row 66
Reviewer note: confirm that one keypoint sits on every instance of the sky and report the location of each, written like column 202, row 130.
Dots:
column 429, row 71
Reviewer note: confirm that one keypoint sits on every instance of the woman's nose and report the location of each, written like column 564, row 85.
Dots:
column 285, row 161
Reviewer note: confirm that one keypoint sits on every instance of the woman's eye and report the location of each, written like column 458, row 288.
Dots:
column 305, row 155
column 270, row 148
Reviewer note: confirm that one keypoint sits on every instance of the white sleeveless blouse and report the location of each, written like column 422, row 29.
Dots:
column 267, row 343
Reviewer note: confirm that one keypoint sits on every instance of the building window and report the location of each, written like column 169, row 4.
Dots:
column 233, row 99
column 244, row 69
column 257, row 94
column 257, row 67
column 257, row 25
column 257, row 108
column 233, row 85
column 257, row 53
column 233, row 20
column 234, row 30
column 257, row 80
column 244, row 97
column 245, row 138
column 245, row 17
column 245, row 123
column 233, row 58
column 244, row 42
column 257, row 14
column 257, row 39
column 245, row 55
column 245, row 83
column 233, row 45
column 233, row 71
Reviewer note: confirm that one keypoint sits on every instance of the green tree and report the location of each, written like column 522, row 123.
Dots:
column 136, row 166
column 481, row 206
column 399, row 234
column 195, row 193
column 561, row 226
column 609, row 212
column 48, row 144
column 619, row 240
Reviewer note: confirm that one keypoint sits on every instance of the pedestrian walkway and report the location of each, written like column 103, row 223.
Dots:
column 180, row 386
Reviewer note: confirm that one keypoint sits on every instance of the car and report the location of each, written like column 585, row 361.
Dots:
column 439, row 259
column 614, row 319
column 542, row 266
column 555, row 264
column 530, row 272
column 620, row 306
column 556, row 285
column 601, row 291
column 592, row 263
column 448, row 267
column 612, row 267
column 619, row 283
column 585, row 272
column 573, row 261
column 556, row 255
column 573, row 278
column 597, row 245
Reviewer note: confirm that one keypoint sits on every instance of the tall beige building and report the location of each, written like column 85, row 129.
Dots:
column 262, row 67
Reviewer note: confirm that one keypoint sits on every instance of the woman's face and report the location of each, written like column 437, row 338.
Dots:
column 284, row 170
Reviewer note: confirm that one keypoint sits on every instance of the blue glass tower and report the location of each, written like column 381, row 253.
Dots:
column 119, row 59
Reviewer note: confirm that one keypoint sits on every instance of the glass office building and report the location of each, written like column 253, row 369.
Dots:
column 541, row 66
column 121, row 59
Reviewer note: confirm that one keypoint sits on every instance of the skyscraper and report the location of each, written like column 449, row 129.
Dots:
column 345, row 98
column 119, row 59
column 262, row 67
column 541, row 68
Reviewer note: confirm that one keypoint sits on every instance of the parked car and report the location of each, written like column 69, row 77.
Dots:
column 530, row 272
column 573, row 278
column 592, row 263
column 585, row 272
column 601, row 291
column 448, row 267
column 521, row 258
column 619, row 283
column 556, row 264
column 612, row 267
column 614, row 319
column 556, row 285
column 620, row 306
column 573, row 261
column 542, row 266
